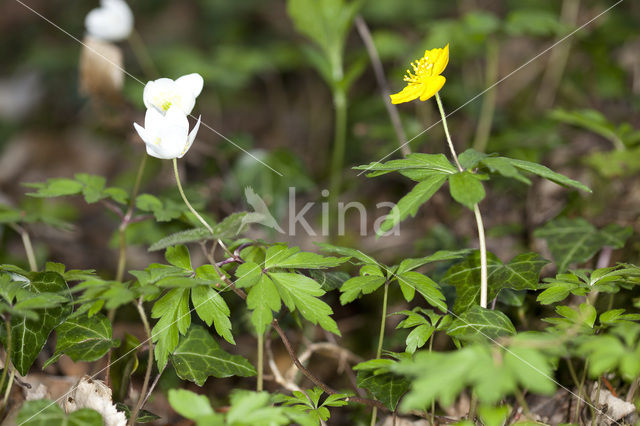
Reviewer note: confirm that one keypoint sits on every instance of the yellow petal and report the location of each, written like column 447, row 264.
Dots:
column 432, row 85
column 439, row 58
column 409, row 93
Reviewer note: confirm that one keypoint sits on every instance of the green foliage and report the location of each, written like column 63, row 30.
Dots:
column 164, row 210
column 617, row 351
column 308, row 404
column 269, row 286
column 424, row 323
column 594, row 121
column 576, row 240
column 466, row 188
column 93, row 188
column 478, row 322
column 120, row 372
column 43, row 412
column 83, row 338
column 376, row 377
column 521, row 273
column 199, row 356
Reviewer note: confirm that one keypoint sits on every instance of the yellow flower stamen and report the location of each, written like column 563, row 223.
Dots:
column 423, row 78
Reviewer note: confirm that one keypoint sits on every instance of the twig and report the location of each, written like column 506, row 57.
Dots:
column 378, row 70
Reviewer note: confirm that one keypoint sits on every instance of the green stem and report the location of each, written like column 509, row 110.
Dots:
column 337, row 157
column 476, row 211
column 147, row 375
column 7, row 361
column 383, row 322
column 28, row 247
column 9, row 385
column 259, row 384
column 489, row 101
column 184, row 197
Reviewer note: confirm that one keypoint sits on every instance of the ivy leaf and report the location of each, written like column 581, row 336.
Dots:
column 300, row 292
column 388, row 388
column 262, row 299
column 410, row 203
column 83, row 338
column 520, row 274
column 175, row 318
column 466, row 188
column 199, row 356
column 480, row 322
column 43, row 412
column 281, row 256
column 576, row 240
column 30, row 335
column 229, row 227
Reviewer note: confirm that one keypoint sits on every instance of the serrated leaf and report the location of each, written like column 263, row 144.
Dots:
column 302, row 293
column 83, row 338
column 425, row 286
column 229, row 227
column 172, row 309
column 353, row 287
column 388, row 388
column 479, row 322
column 547, row 173
column 56, row 187
column 441, row 255
column 292, row 258
column 466, row 188
column 43, row 412
column 262, row 299
column 199, row 356
column 30, row 335
column 178, row 256
column 212, row 308
column 416, row 166
column 410, row 203
column 347, row 251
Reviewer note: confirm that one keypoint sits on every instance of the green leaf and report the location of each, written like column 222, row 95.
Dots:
column 441, row 255
column 521, row 273
column 416, row 166
column 388, row 388
column 346, row 251
column 230, row 227
column 144, row 416
column 505, row 168
column 175, row 318
column 466, row 188
column 494, row 416
column 292, row 258
column 252, row 408
column 262, row 299
column 300, row 292
column 43, row 412
column 410, row 203
column 83, row 338
column 189, row 404
column 56, row 187
column 470, row 158
column 121, row 371
column 576, row 240
column 354, row 287
column 199, row 356
column 30, row 335
column 163, row 210
column 425, row 286
column 178, row 256
column 545, row 172
column 212, row 308
column 479, row 322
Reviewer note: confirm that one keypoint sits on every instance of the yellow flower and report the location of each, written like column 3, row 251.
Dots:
column 425, row 80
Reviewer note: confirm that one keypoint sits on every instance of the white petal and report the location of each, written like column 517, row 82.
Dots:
column 191, row 83
column 192, row 137
column 174, row 139
column 175, row 117
column 142, row 132
column 156, row 92
column 153, row 119
column 113, row 21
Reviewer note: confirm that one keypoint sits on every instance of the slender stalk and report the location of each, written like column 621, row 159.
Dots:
column 489, row 101
column 28, row 247
column 9, row 385
column 337, row 157
column 383, row 322
column 476, row 211
column 7, row 361
column 259, row 384
column 184, row 197
column 378, row 70
column 153, row 385
column 147, row 376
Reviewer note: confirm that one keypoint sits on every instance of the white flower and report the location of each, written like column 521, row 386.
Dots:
column 167, row 136
column 165, row 93
column 112, row 21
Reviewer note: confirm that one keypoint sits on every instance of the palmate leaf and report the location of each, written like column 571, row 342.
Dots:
column 43, row 412
column 521, row 273
column 576, row 240
column 199, row 356
column 83, row 338
column 30, row 335
column 478, row 322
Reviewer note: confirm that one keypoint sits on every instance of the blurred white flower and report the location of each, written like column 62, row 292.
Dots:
column 112, row 21
column 167, row 136
column 165, row 93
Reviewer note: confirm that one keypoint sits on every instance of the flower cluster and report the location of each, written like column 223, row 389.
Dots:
column 166, row 127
